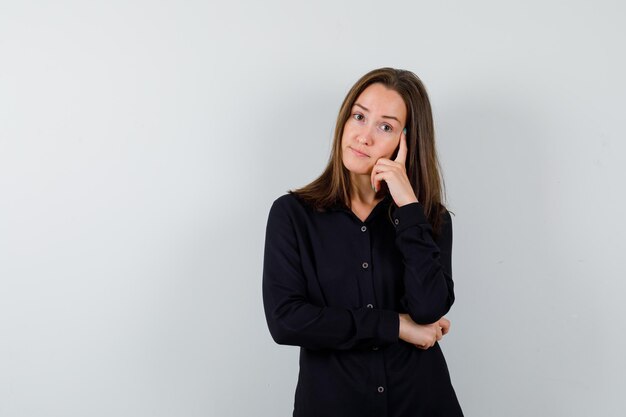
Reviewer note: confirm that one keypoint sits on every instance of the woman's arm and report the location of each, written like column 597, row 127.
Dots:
column 429, row 289
column 427, row 264
column 292, row 319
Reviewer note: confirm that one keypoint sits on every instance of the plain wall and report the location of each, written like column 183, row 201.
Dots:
column 142, row 144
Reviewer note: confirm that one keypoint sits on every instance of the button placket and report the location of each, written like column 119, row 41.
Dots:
column 368, row 297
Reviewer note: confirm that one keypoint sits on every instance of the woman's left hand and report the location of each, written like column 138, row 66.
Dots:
column 394, row 174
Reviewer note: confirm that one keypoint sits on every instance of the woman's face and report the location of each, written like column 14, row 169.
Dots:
column 373, row 129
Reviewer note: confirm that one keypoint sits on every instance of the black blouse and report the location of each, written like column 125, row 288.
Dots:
column 334, row 285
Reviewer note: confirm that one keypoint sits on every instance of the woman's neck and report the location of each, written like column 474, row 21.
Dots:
column 362, row 192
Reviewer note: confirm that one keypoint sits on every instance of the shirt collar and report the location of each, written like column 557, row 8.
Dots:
column 342, row 207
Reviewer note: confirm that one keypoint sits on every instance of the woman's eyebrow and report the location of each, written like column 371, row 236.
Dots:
column 386, row 117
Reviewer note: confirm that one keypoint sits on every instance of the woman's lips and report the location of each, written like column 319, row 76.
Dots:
column 359, row 154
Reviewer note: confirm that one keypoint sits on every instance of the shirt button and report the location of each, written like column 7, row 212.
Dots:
column 364, row 265
column 396, row 221
column 381, row 389
column 363, row 228
column 370, row 306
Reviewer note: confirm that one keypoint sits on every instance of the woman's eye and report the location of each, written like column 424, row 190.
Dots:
column 358, row 116
column 386, row 128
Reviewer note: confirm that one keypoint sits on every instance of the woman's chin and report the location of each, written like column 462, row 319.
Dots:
column 358, row 169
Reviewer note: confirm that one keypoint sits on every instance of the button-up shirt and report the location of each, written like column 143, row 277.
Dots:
column 334, row 285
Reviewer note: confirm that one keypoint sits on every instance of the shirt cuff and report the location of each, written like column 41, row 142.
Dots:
column 409, row 215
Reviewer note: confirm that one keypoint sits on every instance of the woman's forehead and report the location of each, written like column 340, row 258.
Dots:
column 379, row 99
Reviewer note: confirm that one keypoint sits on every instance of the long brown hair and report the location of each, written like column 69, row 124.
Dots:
column 422, row 165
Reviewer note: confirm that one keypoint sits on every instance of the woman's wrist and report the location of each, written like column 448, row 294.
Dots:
column 402, row 326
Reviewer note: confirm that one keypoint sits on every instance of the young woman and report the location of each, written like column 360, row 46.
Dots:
column 357, row 264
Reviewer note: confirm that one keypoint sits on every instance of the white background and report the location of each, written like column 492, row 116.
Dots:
column 142, row 144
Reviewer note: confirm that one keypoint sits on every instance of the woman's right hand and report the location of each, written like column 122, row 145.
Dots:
column 422, row 336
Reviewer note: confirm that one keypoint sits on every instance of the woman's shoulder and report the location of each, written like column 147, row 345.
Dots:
column 294, row 205
column 447, row 214
column 288, row 200
column 289, row 203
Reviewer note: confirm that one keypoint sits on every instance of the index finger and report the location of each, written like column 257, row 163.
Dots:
column 402, row 151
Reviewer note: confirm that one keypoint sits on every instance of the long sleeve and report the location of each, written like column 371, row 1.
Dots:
column 292, row 319
column 429, row 289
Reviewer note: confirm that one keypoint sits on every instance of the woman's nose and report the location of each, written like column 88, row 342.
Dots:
column 365, row 135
